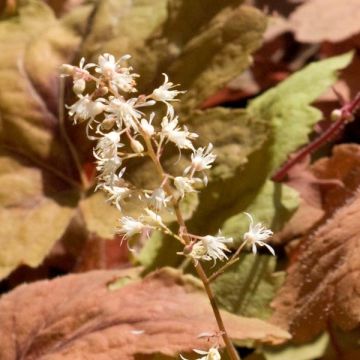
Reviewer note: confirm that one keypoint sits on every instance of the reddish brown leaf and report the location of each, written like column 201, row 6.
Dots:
column 326, row 20
column 92, row 316
column 323, row 281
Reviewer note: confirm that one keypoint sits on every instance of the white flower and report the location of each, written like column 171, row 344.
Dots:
column 210, row 248
column 108, row 146
column 165, row 95
column 147, row 125
column 212, row 354
column 130, row 226
column 107, row 168
column 201, row 159
column 153, row 218
column 184, row 185
column 181, row 138
column 117, row 193
column 158, row 199
column 257, row 235
column 121, row 77
column 126, row 111
column 85, row 108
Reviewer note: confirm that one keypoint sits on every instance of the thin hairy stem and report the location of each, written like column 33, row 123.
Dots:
column 199, row 269
column 232, row 261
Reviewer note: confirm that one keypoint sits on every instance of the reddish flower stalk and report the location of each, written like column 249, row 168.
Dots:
column 342, row 116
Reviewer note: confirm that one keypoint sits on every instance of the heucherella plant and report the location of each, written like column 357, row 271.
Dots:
column 126, row 127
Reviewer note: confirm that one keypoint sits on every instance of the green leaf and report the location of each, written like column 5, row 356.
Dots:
column 287, row 106
column 248, row 286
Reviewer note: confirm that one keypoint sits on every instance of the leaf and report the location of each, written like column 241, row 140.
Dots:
column 321, row 283
column 31, row 221
column 309, row 27
column 99, row 215
column 30, row 83
column 202, row 46
column 120, row 26
column 77, row 316
column 313, row 350
column 248, row 286
column 287, row 107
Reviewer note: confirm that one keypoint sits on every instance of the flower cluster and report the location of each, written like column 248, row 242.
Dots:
column 125, row 127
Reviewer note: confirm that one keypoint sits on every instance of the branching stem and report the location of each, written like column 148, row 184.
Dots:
column 233, row 355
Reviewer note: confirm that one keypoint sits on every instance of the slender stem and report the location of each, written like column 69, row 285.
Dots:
column 84, row 181
column 232, row 261
column 199, row 269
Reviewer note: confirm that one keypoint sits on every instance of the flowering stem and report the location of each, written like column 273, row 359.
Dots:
column 233, row 355
column 232, row 261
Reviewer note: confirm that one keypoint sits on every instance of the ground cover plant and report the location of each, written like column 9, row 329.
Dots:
column 179, row 180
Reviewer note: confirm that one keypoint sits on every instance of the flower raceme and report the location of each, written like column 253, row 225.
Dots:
column 125, row 127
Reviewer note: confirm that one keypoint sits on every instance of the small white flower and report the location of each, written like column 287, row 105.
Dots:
column 107, row 168
column 164, row 94
column 201, row 159
column 210, row 248
column 117, row 193
column 108, row 146
column 121, row 77
column 158, row 199
column 85, row 108
column 212, row 354
column 130, row 226
column 147, row 126
column 257, row 235
column 153, row 218
column 181, row 138
column 184, row 185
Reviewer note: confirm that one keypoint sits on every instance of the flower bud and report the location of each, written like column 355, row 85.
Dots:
column 136, row 146
column 79, row 86
column 67, row 69
column 147, row 127
column 98, row 108
column 336, row 115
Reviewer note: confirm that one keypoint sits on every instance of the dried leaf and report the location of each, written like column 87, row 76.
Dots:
column 324, row 20
column 31, row 221
column 93, row 209
column 321, row 284
column 78, row 316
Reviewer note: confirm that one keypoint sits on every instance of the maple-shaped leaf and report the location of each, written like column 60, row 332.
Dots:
column 322, row 279
column 115, row 314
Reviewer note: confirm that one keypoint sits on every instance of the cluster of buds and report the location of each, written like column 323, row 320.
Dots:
column 125, row 128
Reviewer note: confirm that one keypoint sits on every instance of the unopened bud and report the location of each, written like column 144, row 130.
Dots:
column 108, row 123
column 136, row 146
column 67, row 69
column 98, row 108
column 79, row 86
column 336, row 115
